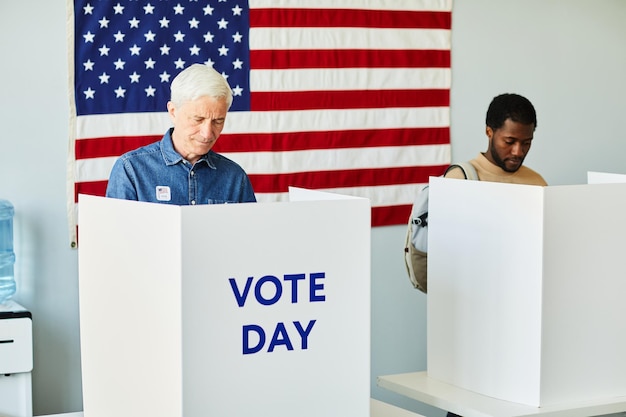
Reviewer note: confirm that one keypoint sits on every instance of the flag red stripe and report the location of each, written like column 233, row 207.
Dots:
column 97, row 188
column 348, row 58
column 296, row 141
column 395, row 19
column 390, row 215
column 361, row 99
column 110, row 146
column 278, row 183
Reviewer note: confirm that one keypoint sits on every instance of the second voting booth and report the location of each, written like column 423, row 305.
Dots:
column 225, row 310
column 525, row 292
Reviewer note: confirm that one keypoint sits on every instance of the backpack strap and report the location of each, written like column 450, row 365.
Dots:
column 468, row 170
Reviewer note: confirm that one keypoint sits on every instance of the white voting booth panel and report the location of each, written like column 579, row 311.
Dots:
column 525, row 291
column 225, row 310
column 594, row 177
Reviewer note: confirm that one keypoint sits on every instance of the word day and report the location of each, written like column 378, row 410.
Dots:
column 269, row 290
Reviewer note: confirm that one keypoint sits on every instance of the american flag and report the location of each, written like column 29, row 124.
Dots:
column 346, row 96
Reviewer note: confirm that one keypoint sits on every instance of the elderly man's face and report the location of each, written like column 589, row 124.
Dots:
column 197, row 125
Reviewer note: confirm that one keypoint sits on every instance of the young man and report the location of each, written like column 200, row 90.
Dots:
column 511, row 122
column 182, row 169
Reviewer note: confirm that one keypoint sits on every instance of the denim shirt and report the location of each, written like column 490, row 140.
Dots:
column 157, row 173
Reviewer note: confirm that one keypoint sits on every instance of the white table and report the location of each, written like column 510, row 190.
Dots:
column 419, row 386
column 377, row 409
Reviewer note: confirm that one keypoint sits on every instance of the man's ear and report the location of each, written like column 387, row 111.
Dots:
column 489, row 132
column 171, row 109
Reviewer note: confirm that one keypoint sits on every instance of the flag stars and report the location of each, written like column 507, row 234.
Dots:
column 178, row 9
column 237, row 91
column 134, row 50
column 89, row 37
column 104, row 78
column 150, row 36
column 193, row 23
column 104, row 50
column 165, row 77
column 107, row 68
column 222, row 23
column 119, row 92
column 208, row 37
column 89, row 93
column 88, row 65
column 119, row 64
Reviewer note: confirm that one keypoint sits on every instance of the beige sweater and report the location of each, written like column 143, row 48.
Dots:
column 489, row 172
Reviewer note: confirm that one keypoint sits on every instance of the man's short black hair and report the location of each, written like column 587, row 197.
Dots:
column 510, row 106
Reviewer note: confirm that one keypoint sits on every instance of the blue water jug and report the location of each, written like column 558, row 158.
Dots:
column 7, row 257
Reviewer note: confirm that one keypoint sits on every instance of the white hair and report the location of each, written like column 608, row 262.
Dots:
column 199, row 80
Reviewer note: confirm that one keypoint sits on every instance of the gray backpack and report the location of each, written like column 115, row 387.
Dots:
column 416, row 242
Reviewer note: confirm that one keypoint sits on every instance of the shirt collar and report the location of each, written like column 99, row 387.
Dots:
column 171, row 157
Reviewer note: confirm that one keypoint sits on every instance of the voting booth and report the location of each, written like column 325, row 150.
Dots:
column 526, row 288
column 225, row 310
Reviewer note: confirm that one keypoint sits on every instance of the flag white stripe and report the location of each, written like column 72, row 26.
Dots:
column 341, row 159
column 325, row 120
column 273, row 121
column 98, row 169
column 350, row 79
column 122, row 124
column 403, row 5
column 384, row 195
column 349, row 38
column 94, row 169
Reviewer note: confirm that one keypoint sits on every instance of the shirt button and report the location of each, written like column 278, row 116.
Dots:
column 193, row 173
column 193, row 202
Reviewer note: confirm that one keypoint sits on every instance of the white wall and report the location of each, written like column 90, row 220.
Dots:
column 566, row 56
column 33, row 152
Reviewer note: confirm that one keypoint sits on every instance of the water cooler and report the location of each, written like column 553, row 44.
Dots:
column 16, row 360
